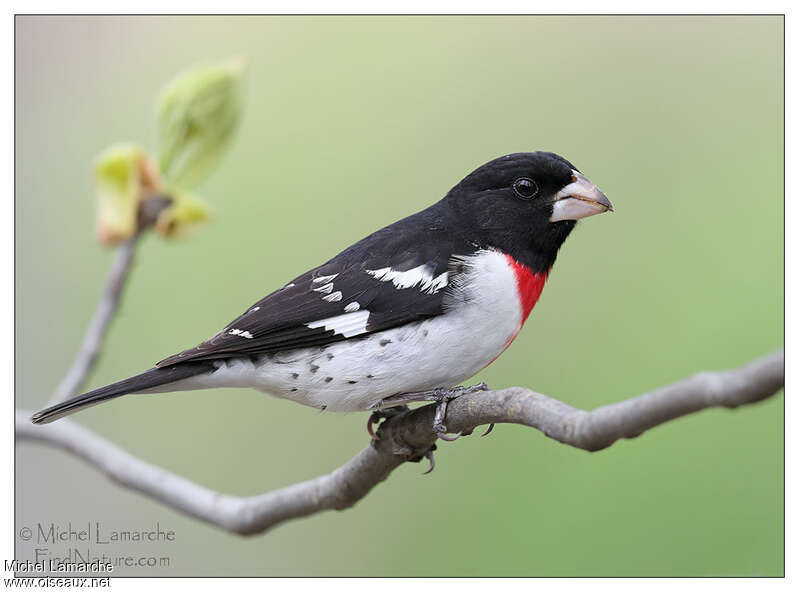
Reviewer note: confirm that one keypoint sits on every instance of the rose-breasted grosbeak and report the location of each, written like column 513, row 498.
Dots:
column 404, row 314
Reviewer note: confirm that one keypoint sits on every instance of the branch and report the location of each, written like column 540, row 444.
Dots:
column 92, row 345
column 410, row 435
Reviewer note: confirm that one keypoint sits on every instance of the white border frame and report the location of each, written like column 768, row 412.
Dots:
column 407, row 7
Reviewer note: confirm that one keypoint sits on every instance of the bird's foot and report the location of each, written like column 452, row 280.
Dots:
column 394, row 411
column 438, row 419
column 431, row 462
column 383, row 414
column 442, row 397
column 426, row 455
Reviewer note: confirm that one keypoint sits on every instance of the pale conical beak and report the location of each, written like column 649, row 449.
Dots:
column 579, row 199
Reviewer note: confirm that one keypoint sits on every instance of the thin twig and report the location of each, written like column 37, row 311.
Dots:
column 93, row 339
column 409, row 436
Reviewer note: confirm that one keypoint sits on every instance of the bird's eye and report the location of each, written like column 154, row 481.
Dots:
column 525, row 188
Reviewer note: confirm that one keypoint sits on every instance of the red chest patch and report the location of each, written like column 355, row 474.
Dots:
column 529, row 286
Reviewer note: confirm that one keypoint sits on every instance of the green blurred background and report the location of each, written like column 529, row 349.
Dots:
column 351, row 123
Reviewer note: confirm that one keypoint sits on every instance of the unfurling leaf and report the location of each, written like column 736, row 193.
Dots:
column 124, row 175
column 185, row 211
column 197, row 115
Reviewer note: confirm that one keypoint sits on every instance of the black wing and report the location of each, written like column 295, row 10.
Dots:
column 395, row 276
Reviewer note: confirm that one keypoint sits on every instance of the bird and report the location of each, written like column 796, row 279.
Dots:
column 404, row 315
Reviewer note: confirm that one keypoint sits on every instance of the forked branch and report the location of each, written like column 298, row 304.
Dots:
column 409, row 436
column 95, row 335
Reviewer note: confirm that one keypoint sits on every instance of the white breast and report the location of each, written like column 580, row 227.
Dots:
column 482, row 316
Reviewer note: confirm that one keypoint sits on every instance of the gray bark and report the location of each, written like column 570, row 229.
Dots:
column 409, row 436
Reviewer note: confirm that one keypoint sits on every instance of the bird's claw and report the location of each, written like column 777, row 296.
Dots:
column 488, row 430
column 448, row 437
column 441, row 396
column 445, row 396
column 429, row 457
column 371, row 420
column 439, row 429
column 379, row 415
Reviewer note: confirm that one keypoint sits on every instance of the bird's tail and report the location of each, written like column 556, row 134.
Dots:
column 143, row 381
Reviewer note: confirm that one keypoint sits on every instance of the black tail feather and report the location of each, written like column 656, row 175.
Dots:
column 146, row 380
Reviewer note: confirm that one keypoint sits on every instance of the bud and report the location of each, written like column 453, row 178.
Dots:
column 184, row 212
column 197, row 115
column 124, row 175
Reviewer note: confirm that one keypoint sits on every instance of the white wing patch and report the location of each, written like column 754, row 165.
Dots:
column 421, row 276
column 323, row 279
column 436, row 284
column 354, row 306
column 347, row 325
column 241, row 333
column 325, row 289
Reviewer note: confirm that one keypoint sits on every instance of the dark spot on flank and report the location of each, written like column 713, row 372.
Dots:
column 328, row 379
column 352, row 382
column 330, row 356
column 370, row 377
column 314, row 368
column 254, row 358
column 295, row 375
column 294, row 388
column 323, row 407
column 425, row 333
column 385, row 342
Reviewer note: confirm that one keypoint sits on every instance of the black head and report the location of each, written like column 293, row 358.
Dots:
column 525, row 204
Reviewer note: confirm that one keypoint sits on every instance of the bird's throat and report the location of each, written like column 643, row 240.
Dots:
column 529, row 286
